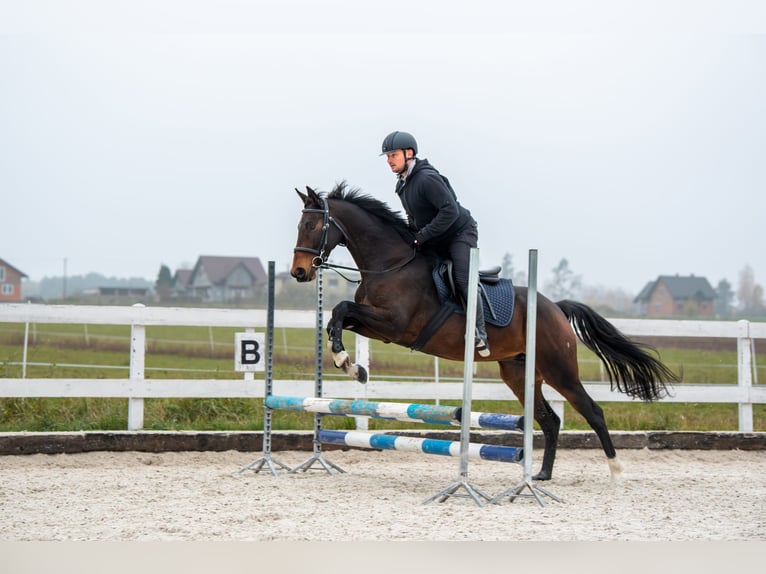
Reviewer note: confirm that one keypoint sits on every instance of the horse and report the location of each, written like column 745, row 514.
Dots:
column 396, row 299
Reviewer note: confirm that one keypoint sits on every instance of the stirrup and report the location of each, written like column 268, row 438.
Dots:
column 482, row 347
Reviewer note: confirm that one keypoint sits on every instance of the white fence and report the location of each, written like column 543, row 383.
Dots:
column 136, row 388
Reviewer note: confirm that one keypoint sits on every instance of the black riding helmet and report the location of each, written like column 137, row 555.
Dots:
column 399, row 140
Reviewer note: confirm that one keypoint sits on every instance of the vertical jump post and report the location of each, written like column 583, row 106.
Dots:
column 317, row 456
column 529, row 395
column 266, row 459
column 465, row 423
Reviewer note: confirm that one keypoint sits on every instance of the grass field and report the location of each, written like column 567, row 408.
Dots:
column 102, row 351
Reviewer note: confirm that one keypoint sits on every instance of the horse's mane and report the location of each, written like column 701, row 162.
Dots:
column 373, row 206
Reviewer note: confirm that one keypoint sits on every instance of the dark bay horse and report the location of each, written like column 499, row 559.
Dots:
column 396, row 299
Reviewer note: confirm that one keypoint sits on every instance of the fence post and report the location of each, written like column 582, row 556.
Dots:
column 558, row 408
column 745, row 376
column 137, row 360
column 362, row 358
column 24, row 354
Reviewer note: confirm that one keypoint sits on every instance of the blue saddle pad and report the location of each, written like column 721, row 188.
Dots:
column 498, row 310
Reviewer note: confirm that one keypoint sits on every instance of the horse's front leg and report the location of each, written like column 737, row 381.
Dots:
column 335, row 343
column 350, row 315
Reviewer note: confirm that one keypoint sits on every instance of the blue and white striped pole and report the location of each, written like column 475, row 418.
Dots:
column 407, row 412
column 424, row 445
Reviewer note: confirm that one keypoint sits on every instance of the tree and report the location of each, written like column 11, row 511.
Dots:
column 749, row 293
column 607, row 300
column 506, row 271
column 164, row 283
column 565, row 284
column 724, row 298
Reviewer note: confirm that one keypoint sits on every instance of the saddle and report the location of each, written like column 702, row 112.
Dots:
column 496, row 297
column 444, row 270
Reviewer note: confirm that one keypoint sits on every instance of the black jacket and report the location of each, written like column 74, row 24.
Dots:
column 431, row 204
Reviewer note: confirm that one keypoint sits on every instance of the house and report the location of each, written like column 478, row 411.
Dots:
column 217, row 279
column 181, row 282
column 10, row 282
column 676, row 296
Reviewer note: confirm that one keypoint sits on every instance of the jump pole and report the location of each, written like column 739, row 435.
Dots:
column 267, row 460
column 317, row 456
column 465, row 426
column 360, row 439
column 407, row 412
column 529, row 396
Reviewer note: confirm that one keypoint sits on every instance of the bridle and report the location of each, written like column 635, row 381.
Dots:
column 320, row 258
column 320, row 255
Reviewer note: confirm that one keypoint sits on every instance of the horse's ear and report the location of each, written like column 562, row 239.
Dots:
column 303, row 196
column 313, row 195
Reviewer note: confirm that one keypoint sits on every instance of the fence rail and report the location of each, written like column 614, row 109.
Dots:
column 137, row 387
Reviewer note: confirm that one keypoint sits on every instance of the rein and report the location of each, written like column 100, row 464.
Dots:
column 320, row 257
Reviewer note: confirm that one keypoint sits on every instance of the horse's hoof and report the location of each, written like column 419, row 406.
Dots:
column 542, row 475
column 359, row 374
column 615, row 468
column 341, row 360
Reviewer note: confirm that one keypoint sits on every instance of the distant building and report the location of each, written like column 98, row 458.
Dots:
column 10, row 283
column 218, row 279
column 116, row 295
column 181, row 282
column 677, row 296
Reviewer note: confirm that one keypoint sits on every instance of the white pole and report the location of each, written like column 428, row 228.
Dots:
column 465, row 419
column 24, row 358
column 745, row 376
column 470, row 349
column 362, row 358
column 137, row 361
column 529, row 376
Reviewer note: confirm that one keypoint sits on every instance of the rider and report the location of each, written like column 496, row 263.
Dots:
column 435, row 215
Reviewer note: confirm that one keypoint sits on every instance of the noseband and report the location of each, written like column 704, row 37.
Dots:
column 320, row 257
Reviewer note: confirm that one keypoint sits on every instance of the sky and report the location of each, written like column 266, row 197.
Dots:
column 626, row 137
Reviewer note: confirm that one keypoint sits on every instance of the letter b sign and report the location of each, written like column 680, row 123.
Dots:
column 249, row 352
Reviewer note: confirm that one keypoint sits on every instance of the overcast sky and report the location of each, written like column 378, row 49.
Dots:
column 628, row 138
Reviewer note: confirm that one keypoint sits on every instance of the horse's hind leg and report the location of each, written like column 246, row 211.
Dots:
column 557, row 364
column 594, row 415
column 512, row 373
column 564, row 377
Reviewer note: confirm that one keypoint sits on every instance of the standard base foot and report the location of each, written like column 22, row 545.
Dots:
column 452, row 490
column 534, row 492
column 258, row 464
column 326, row 465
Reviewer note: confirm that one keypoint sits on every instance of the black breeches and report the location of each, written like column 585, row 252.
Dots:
column 460, row 253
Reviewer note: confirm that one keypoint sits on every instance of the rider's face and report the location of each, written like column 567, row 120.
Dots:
column 396, row 160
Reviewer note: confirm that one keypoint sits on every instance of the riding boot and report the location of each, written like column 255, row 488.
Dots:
column 482, row 340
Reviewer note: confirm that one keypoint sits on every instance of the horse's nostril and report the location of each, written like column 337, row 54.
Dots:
column 299, row 273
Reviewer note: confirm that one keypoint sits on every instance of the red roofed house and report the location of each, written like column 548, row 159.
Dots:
column 217, row 279
column 10, row 283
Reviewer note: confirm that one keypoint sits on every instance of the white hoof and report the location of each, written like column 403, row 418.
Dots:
column 615, row 468
column 340, row 359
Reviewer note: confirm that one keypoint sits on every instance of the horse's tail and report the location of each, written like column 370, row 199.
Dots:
column 635, row 372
